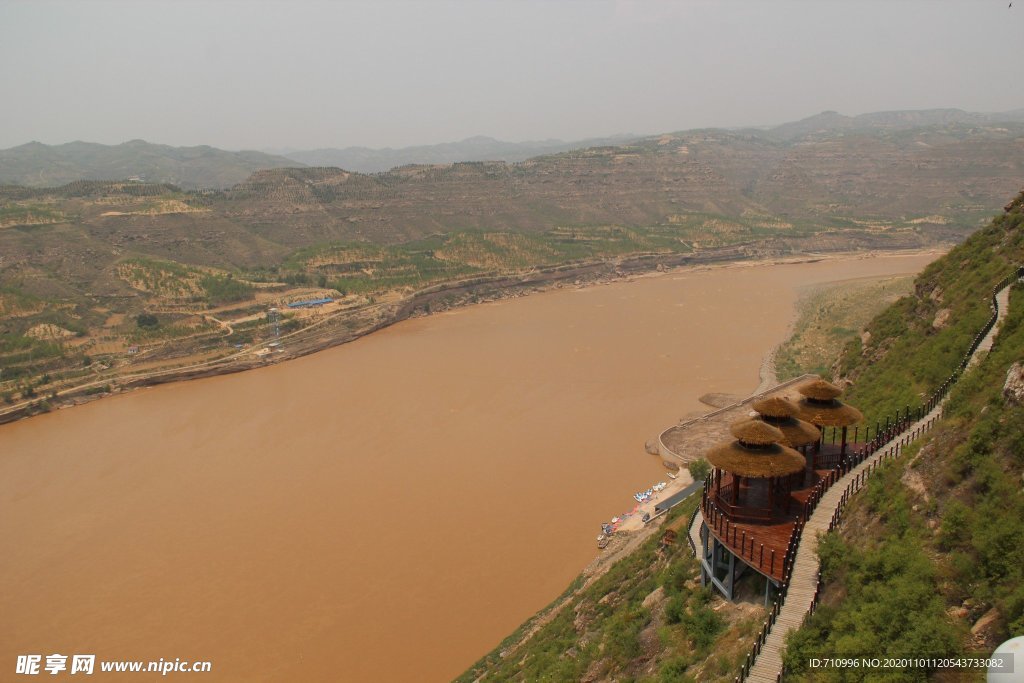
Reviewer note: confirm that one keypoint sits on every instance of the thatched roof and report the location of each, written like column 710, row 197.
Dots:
column 776, row 406
column 762, row 462
column 755, row 432
column 829, row 413
column 795, row 432
column 820, row 390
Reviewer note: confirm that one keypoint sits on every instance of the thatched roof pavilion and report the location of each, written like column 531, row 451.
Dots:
column 756, row 453
column 821, row 407
column 781, row 413
column 820, row 390
column 755, row 456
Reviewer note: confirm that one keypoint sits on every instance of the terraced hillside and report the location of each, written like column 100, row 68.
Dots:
column 80, row 263
column 709, row 184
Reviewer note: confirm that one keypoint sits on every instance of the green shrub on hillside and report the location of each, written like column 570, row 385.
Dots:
column 224, row 289
column 892, row 607
column 955, row 539
column 600, row 633
column 907, row 357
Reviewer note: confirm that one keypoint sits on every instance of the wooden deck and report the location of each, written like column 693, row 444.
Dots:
column 764, row 543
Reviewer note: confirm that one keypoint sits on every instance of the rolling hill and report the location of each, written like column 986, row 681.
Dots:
column 479, row 148
column 38, row 165
column 86, row 258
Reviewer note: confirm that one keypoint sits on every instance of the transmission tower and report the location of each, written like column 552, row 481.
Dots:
column 275, row 320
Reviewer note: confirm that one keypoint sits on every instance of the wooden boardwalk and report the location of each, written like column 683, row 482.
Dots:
column 803, row 583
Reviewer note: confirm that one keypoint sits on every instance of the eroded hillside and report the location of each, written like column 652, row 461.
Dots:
column 80, row 263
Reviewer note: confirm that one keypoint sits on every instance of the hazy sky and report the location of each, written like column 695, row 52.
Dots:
column 297, row 74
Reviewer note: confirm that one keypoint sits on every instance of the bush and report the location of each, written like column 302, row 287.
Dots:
column 699, row 469
column 675, row 609
column 702, row 624
column 622, row 634
column 224, row 289
column 147, row 321
column 834, row 556
column 954, row 529
column 674, row 671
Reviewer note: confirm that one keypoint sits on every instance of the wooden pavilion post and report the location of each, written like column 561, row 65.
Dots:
column 816, row 460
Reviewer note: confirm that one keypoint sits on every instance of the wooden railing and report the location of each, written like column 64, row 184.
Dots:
column 744, row 513
column 743, row 543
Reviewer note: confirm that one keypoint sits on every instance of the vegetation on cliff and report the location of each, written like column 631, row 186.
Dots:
column 930, row 561
column 829, row 317
column 913, row 345
column 646, row 619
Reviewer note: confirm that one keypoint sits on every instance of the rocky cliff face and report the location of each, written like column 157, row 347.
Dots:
column 1013, row 388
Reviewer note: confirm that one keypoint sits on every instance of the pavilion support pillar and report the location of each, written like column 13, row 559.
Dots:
column 842, row 447
column 705, row 554
column 731, row 584
column 811, row 455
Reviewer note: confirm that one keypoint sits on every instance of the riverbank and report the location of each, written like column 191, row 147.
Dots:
column 690, row 438
column 702, row 432
column 686, row 440
column 404, row 483
column 349, row 325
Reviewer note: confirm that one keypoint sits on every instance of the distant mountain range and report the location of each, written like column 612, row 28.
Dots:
column 827, row 183
column 479, row 148
column 830, row 122
column 38, row 165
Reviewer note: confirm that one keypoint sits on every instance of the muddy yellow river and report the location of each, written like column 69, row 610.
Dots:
column 387, row 510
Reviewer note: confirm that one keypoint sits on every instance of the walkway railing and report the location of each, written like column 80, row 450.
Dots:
column 742, row 542
column 888, row 443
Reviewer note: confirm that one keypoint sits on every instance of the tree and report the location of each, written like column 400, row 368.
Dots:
column 147, row 321
column 700, row 469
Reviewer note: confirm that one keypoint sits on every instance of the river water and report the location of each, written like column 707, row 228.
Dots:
column 387, row 510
